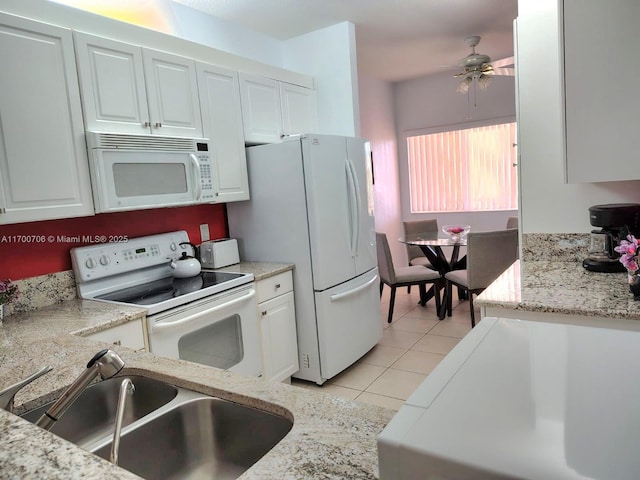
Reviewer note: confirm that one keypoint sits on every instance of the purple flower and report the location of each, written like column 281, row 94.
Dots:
column 628, row 249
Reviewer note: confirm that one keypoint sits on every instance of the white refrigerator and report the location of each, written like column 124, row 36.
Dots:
column 311, row 205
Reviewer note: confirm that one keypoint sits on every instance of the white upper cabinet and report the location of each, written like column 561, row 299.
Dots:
column 272, row 110
column 43, row 162
column 601, row 73
column 112, row 81
column 172, row 93
column 261, row 110
column 131, row 89
column 219, row 93
column 298, row 109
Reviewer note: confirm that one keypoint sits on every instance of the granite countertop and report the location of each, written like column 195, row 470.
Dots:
column 331, row 437
column 561, row 287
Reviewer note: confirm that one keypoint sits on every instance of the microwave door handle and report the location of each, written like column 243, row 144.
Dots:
column 196, row 175
column 182, row 321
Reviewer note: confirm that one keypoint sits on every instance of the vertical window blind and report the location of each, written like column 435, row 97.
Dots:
column 464, row 170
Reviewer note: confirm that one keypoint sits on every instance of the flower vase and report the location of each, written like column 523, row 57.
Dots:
column 634, row 286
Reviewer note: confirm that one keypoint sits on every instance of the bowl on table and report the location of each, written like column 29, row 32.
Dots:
column 456, row 232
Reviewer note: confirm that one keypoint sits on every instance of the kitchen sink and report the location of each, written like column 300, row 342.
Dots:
column 92, row 416
column 169, row 432
column 202, row 438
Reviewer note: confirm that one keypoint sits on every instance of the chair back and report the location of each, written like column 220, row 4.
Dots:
column 512, row 222
column 488, row 255
column 419, row 226
column 385, row 261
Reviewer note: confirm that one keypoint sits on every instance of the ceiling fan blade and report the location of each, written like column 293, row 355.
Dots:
column 504, row 66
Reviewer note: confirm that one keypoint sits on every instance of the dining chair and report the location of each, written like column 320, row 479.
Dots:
column 488, row 255
column 404, row 276
column 512, row 222
column 414, row 254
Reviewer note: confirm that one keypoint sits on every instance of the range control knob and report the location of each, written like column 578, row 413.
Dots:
column 104, row 260
column 173, row 246
column 90, row 263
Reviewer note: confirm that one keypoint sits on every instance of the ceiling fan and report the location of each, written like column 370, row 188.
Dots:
column 478, row 67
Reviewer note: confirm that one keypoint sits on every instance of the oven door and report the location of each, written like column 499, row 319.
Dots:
column 220, row 331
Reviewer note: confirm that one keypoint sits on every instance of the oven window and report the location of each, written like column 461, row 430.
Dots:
column 217, row 345
column 140, row 179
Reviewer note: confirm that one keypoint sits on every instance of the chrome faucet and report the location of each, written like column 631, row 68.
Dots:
column 126, row 388
column 105, row 364
column 7, row 395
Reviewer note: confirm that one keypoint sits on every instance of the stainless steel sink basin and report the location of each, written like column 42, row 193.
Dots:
column 92, row 416
column 170, row 432
column 202, row 438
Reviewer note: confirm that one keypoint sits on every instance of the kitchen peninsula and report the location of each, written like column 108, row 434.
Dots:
column 550, row 284
column 330, row 438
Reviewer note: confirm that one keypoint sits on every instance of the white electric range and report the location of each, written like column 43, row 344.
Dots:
column 209, row 318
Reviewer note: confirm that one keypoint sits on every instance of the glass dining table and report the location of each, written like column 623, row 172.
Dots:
column 432, row 245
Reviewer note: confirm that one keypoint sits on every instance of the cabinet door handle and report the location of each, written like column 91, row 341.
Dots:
column 277, row 286
column 147, row 124
column 158, row 125
column 264, row 313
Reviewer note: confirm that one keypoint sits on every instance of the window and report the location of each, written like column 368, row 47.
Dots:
column 463, row 170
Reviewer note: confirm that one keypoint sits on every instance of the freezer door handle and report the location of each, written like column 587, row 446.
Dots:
column 353, row 291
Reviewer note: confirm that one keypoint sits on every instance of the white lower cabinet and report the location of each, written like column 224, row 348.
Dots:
column 130, row 335
column 277, row 326
column 44, row 172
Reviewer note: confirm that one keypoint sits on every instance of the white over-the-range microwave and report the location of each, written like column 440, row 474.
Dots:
column 132, row 172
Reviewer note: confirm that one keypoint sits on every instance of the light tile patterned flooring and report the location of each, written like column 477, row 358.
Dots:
column 410, row 348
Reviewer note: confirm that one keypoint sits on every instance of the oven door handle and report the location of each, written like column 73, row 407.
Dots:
column 182, row 321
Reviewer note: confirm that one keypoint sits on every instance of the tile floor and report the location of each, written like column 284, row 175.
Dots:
column 410, row 348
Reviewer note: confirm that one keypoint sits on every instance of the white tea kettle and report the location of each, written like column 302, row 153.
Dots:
column 187, row 265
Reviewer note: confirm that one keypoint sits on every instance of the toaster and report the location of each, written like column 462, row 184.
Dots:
column 219, row 253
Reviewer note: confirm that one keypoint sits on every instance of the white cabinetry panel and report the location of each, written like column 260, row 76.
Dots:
column 219, row 93
column 272, row 110
column 277, row 320
column 601, row 105
column 261, row 109
column 130, row 89
column 43, row 164
column 298, row 109
column 112, row 82
column 172, row 92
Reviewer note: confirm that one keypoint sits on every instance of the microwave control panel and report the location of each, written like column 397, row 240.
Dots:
column 208, row 191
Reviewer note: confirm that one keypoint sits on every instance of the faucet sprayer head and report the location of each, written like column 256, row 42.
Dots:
column 107, row 363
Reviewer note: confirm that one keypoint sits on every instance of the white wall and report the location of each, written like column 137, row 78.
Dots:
column 548, row 205
column 378, row 125
column 214, row 32
column 432, row 102
column 329, row 56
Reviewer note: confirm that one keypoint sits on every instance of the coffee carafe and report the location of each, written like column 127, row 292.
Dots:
column 617, row 220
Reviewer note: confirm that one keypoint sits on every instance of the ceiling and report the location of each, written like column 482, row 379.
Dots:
column 395, row 39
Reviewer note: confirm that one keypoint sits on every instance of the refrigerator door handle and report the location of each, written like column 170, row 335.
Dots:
column 364, row 286
column 356, row 184
column 353, row 204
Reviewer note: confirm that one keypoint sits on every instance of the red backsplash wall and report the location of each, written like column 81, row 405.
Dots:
column 38, row 248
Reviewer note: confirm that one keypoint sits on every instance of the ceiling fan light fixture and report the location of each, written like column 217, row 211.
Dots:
column 484, row 81
column 465, row 83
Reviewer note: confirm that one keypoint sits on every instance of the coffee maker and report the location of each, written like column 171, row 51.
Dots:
column 616, row 221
